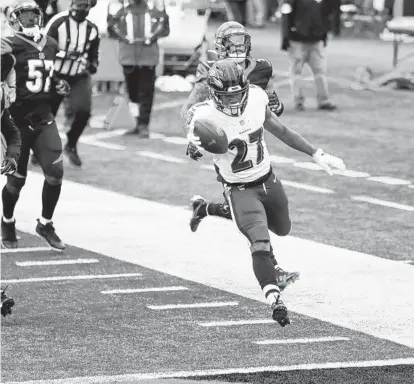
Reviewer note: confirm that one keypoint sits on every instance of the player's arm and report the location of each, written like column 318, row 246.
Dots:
column 290, row 137
column 274, row 126
column 12, row 136
column 275, row 104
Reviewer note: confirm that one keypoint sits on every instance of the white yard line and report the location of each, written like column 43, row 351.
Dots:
column 23, row 250
column 384, row 203
column 389, row 180
column 165, row 244
column 281, row 160
column 33, row 263
column 307, row 187
column 143, row 290
column 78, row 277
column 159, row 156
column 232, row 323
column 308, row 165
column 128, row 378
column 103, row 144
column 194, row 305
column 302, row 340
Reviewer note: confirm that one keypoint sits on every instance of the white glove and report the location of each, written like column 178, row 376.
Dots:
column 327, row 161
column 193, row 139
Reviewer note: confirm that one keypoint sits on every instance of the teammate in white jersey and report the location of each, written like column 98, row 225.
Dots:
column 255, row 195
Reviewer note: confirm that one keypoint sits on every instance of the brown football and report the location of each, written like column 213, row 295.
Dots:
column 213, row 139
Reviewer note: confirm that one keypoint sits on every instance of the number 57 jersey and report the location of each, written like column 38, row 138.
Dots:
column 247, row 158
column 34, row 69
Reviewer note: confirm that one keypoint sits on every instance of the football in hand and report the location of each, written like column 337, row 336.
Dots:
column 213, row 139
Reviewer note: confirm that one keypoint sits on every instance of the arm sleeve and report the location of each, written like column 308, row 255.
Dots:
column 51, row 28
column 93, row 54
column 12, row 136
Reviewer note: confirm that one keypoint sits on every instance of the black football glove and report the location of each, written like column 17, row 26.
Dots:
column 275, row 105
column 62, row 87
column 9, row 166
column 194, row 151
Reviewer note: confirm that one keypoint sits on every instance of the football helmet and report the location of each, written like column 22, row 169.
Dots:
column 232, row 41
column 25, row 17
column 228, row 86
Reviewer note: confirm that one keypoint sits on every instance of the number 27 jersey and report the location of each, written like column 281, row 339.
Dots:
column 247, row 158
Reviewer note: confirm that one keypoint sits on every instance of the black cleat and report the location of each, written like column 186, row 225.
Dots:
column 48, row 233
column 72, row 155
column 6, row 303
column 327, row 106
column 197, row 202
column 8, row 234
column 280, row 313
column 284, row 278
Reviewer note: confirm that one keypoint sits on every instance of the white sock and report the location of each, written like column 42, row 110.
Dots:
column 44, row 221
column 11, row 220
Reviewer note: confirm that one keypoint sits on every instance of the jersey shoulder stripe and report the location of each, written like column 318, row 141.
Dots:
column 202, row 70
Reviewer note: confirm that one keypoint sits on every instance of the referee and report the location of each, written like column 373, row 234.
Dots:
column 76, row 61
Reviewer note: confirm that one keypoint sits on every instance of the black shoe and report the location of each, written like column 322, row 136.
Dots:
column 328, row 106
column 72, row 154
column 143, row 131
column 48, row 233
column 8, row 234
column 284, row 278
column 280, row 313
column 133, row 131
column 6, row 303
column 197, row 202
column 299, row 107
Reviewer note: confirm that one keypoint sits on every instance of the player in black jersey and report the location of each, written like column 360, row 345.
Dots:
column 233, row 41
column 34, row 55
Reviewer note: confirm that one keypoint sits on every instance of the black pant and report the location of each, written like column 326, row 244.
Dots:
column 140, row 82
column 78, row 105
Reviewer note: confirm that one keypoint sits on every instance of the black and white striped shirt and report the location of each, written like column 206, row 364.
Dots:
column 78, row 44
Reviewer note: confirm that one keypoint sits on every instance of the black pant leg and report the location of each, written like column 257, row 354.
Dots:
column 131, row 75
column 146, row 88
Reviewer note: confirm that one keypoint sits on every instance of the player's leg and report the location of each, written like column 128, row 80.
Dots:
column 48, row 149
column 249, row 215
column 276, row 205
column 131, row 81
column 297, row 56
column 55, row 103
column 146, row 90
column 11, row 191
column 79, row 101
column 202, row 208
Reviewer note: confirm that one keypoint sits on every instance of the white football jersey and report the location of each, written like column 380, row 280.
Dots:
column 247, row 158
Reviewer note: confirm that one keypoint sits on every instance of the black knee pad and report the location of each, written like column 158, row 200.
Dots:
column 285, row 229
column 54, row 173
column 15, row 184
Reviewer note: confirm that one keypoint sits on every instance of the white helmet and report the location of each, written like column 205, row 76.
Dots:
column 25, row 17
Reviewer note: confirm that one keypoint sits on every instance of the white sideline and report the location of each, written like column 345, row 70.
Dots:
column 302, row 341
column 28, row 249
column 212, row 372
column 339, row 286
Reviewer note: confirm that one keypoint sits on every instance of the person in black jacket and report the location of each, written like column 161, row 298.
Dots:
column 305, row 30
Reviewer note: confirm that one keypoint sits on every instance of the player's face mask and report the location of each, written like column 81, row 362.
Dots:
column 27, row 21
column 231, row 102
column 79, row 10
column 237, row 47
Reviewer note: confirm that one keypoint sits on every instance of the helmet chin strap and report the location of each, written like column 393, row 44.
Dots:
column 32, row 32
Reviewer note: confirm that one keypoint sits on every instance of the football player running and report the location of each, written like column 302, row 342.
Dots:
column 34, row 55
column 233, row 41
column 256, row 197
